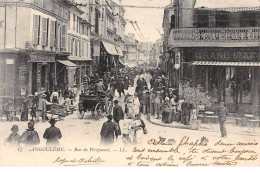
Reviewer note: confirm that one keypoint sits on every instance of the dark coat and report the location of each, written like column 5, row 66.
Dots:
column 120, row 86
column 126, row 83
column 108, row 132
column 52, row 134
column 146, row 99
column 118, row 113
column 222, row 114
column 139, row 82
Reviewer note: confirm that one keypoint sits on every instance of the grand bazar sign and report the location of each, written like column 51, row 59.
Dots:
column 225, row 55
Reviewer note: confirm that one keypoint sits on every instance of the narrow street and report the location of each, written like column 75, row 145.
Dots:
column 86, row 131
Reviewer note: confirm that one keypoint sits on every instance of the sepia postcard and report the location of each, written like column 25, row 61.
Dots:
column 130, row 83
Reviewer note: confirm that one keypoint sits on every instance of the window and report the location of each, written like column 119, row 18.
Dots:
column 83, row 46
column 69, row 42
column 45, row 27
column 36, row 29
column 173, row 21
column 79, row 48
column 69, row 20
column 63, row 36
column 52, row 34
column 76, row 48
column 248, row 19
column 74, row 22
column 72, row 47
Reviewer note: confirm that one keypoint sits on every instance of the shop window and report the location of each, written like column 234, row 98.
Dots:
column 213, row 78
column 200, row 77
column 245, row 86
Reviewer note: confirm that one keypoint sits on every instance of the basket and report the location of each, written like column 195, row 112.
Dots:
column 195, row 124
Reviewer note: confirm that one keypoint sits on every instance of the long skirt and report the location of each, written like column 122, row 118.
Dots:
column 24, row 115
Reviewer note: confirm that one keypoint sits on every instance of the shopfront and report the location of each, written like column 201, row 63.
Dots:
column 84, row 67
column 41, row 70
column 227, row 74
column 108, row 57
column 66, row 74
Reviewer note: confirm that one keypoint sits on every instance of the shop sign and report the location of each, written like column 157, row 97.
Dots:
column 22, row 72
column 9, row 61
column 222, row 55
column 39, row 58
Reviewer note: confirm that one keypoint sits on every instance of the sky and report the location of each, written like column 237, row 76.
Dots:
column 150, row 20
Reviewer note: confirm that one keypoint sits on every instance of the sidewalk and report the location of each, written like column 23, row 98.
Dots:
column 213, row 127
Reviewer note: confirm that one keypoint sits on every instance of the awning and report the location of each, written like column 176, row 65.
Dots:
column 67, row 63
column 110, row 48
column 119, row 51
column 239, row 64
column 80, row 58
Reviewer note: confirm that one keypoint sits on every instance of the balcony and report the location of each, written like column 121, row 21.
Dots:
column 215, row 37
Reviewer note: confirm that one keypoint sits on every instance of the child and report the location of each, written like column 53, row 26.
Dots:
column 14, row 137
column 30, row 137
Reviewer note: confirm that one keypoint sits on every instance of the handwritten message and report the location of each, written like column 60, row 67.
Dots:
column 193, row 153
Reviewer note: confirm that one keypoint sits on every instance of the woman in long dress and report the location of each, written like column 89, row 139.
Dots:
column 24, row 109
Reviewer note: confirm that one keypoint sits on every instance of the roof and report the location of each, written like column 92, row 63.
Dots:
column 226, row 3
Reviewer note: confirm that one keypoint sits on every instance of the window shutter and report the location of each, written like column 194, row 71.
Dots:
column 52, row 34
column 44, row 32
column 83, row 48
column 63, row 36
column 79, row 48
column 68, row 43
column 36, row 24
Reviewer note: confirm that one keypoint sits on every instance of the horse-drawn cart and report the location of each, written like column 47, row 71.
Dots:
column 93, row 103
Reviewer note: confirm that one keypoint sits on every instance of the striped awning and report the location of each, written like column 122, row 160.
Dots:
column 110, row 48
column 67, row 63
column 238, row 64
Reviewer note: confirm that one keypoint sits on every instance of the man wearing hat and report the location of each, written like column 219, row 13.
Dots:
column 108, row 132
column 99, row 87
column 118, row 114
column 52, row 134
column 222, row 116
column 41, row 111
column 146, row 102
column 14, row 137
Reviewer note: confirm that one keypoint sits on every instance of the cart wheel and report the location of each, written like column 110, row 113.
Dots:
column 98, row 111
column 81, row 114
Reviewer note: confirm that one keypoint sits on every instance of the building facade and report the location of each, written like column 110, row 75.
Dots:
column 217, row 50
column 33, row 34
column 131, row 48
column 107, row 35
